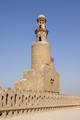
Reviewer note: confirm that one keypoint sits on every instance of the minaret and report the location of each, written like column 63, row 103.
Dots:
column 43, row 75
column 41, row 48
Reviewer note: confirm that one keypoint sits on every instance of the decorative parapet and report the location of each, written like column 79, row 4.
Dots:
column 12, row 101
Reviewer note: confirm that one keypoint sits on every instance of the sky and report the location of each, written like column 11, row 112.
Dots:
column 17, row 26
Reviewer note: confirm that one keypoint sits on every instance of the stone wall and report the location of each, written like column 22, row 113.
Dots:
column 35, row 80
column 17, row 102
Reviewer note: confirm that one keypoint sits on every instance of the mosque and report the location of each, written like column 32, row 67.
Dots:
column 38, row 90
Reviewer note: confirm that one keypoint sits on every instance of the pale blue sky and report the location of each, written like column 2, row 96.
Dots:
column 17, row 25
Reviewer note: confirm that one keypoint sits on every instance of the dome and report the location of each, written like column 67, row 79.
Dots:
column 41, row 16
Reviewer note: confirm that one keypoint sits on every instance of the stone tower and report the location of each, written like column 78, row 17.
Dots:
column 42, row 76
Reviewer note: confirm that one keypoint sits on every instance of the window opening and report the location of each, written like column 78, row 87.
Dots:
column 40, row 26
column 40, row 39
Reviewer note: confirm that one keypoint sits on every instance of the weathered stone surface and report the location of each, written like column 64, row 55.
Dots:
column 42, row 76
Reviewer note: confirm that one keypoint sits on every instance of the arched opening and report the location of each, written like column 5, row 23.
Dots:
column 6, row 99
column 2, row 97
column 1, row 114
column 39, row 26
column 52, row 80
column 22, row 98
column 15, row 97
column 40, row 38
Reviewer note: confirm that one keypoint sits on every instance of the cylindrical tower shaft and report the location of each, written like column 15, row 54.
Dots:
column 40, row 55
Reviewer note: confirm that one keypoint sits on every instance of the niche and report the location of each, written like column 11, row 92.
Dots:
column 51, row 80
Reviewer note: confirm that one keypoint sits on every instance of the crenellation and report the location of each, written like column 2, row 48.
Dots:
column 30, row 100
